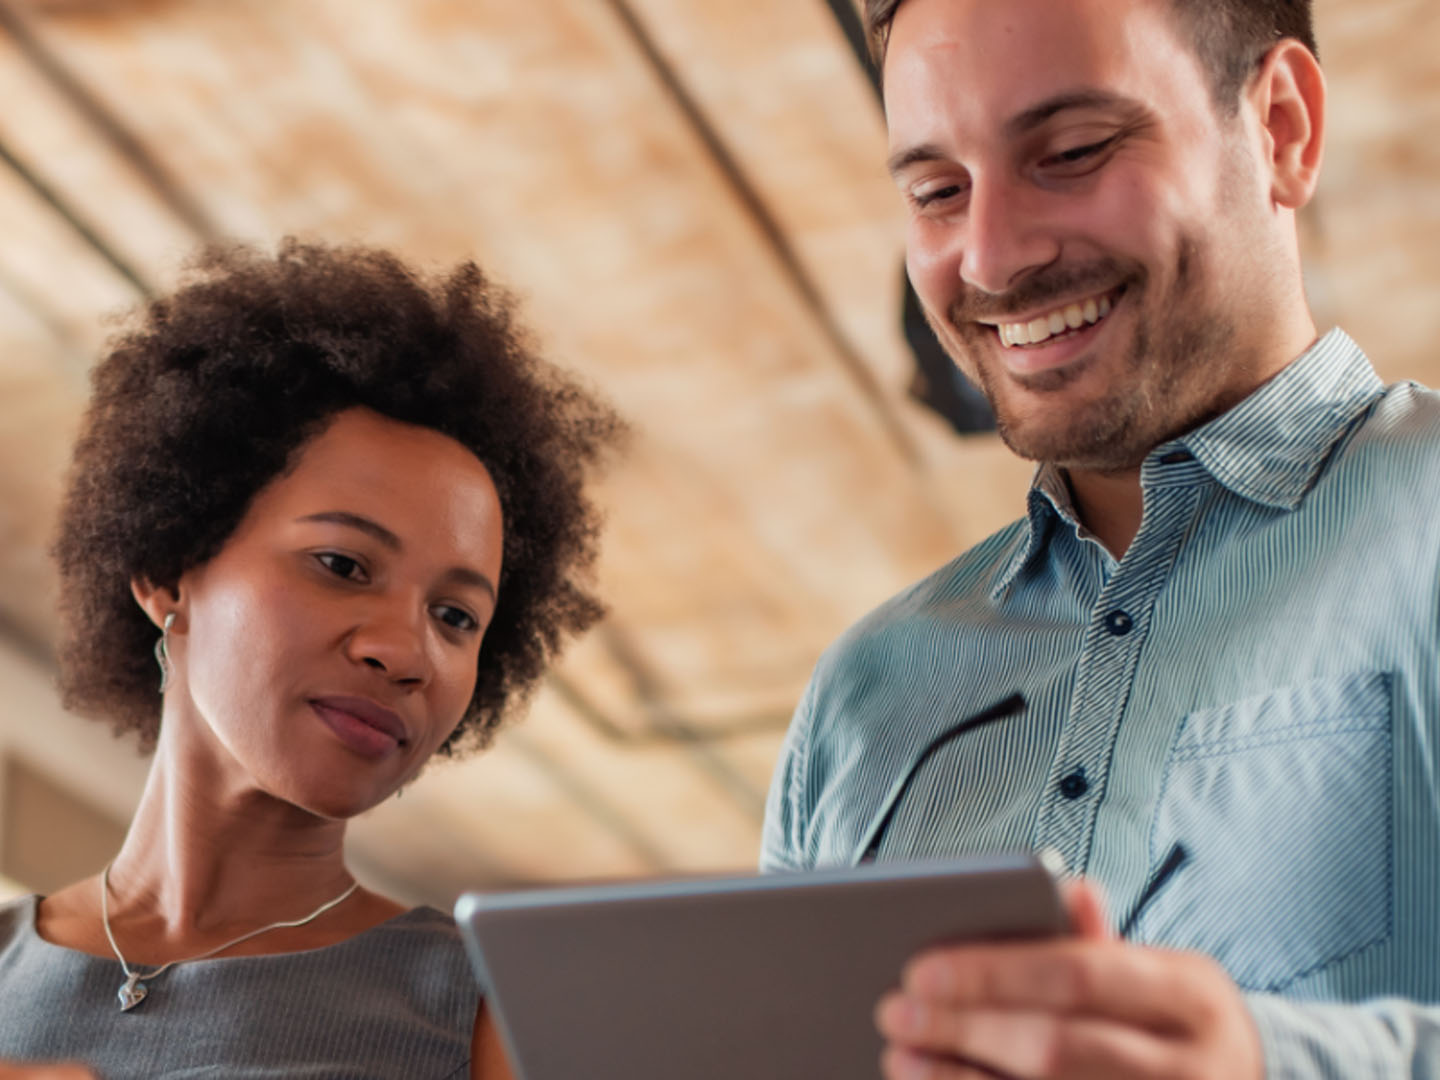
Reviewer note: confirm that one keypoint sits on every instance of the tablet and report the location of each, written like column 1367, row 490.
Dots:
column 771, row 977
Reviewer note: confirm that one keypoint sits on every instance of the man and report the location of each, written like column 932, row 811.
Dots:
column 1223, row 607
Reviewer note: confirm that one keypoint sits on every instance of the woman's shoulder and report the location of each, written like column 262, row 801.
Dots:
column 17, row 918
column 424, row 928
column 398, row 999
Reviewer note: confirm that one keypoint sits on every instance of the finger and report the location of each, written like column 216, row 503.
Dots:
column 1085, row 903
column 1018, row 1042
column 897, row 1063
column 1023, row 1045
column 1155, row 988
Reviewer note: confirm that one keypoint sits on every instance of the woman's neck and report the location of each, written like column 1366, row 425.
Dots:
column 208, row 851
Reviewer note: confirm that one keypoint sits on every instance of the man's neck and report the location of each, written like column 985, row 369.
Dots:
column 1109, row 504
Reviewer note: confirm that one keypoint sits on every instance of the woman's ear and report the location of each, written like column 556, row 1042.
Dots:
column 1288, row 95
column 156, row 601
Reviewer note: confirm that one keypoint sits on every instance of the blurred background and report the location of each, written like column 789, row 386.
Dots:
column 689, row 198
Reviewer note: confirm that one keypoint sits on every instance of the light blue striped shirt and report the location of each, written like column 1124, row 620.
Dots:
column 1258, row 679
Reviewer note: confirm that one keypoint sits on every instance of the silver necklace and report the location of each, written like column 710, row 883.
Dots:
column 133, row 991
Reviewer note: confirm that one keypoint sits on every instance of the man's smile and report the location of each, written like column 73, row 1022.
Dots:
column 1072, row 316
column 1051, row 338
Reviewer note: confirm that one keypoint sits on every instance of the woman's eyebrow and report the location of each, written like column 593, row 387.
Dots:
column 356, row 521
column 463, row 575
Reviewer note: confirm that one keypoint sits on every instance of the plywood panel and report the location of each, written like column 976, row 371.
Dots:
column 38, row 396
column 65, row 132
column 779, row 85
column 443, row 128
column 1378, row 240
column 49, row 270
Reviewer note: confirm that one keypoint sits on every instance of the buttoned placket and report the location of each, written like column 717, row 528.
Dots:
column 1118, row 627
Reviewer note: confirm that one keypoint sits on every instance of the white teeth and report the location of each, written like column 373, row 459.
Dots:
column 1071, row 317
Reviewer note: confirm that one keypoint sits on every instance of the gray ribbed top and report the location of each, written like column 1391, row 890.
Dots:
column 397, row 1001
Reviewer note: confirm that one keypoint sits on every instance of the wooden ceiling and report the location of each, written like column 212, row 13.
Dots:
column 689, row 197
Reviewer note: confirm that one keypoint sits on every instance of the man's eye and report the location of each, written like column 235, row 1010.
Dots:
column 455, row 618
column 1080, row 153
column 341, row 565
column 934, row 195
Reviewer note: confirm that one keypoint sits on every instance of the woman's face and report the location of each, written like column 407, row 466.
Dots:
column 331, row 645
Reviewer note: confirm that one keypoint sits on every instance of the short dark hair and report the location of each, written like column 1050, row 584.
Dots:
column 1230, row 36
column 220, row 385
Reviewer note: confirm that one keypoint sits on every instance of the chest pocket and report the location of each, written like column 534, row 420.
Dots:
column 1284, row 804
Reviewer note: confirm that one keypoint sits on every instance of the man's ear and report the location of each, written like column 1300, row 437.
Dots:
column 1288, row 94
column 155, row 600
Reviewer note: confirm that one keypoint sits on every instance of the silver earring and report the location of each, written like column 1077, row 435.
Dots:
column 162, row 651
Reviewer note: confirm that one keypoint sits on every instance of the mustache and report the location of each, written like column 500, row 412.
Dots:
column 1045, row 288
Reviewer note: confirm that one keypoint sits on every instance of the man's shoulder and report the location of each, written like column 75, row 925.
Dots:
column 957, row 592
column 970, row 575
column 1408, row 411
column 1399, row 439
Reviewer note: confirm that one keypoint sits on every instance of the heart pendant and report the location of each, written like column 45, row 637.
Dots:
column 132, row 993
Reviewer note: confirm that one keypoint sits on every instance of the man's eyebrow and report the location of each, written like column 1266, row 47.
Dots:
column 461, row 575
column 356, row 521
column 1033, row 117
column 915, row 155
column 1018, row 124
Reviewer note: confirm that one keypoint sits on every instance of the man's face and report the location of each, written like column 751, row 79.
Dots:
column 1087, row 233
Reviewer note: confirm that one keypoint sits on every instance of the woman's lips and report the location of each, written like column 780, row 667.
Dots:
column 365, row 727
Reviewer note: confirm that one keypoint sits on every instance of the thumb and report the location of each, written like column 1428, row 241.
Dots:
column 1085, row 904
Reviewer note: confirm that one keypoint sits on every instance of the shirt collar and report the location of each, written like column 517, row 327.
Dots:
column 1270, row 448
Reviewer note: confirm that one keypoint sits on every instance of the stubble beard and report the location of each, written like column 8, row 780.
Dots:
column 1157, row 392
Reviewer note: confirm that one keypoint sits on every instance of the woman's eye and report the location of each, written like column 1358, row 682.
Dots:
column 341, row 565
column 455, row 618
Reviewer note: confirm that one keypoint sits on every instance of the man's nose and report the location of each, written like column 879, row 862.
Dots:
column 1005, row 236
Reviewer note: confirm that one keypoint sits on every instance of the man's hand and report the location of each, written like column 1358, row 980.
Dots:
column 1085, row 1008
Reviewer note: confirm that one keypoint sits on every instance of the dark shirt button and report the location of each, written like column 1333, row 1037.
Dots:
column 1118, row 623
column 1176, row 457
column 1074, row 785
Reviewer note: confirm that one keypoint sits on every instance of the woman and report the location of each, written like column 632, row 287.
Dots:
column 324, row 522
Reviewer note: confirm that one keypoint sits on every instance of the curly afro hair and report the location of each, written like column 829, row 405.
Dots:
column 213, row 394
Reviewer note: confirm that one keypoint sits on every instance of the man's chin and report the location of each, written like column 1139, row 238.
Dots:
column 1098, row 436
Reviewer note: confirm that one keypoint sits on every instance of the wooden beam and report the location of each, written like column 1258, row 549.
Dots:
column 106, row 122
column 748, row 195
